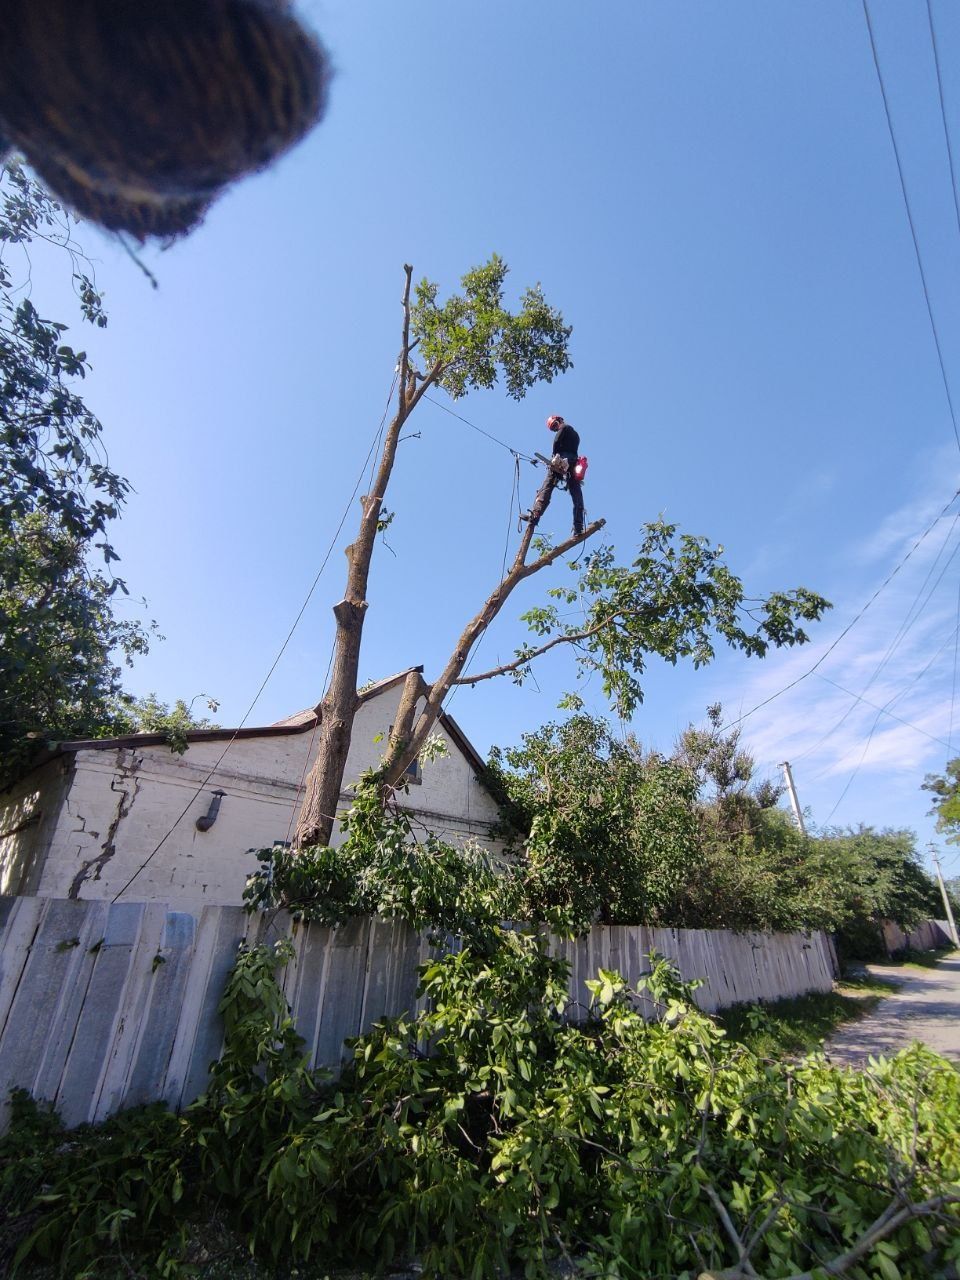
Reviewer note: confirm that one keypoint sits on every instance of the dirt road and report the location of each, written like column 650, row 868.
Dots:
column 925, row 1007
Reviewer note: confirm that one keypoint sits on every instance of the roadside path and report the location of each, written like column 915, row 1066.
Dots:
column 925, row 1007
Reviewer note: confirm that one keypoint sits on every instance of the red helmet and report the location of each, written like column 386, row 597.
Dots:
column 554, row 422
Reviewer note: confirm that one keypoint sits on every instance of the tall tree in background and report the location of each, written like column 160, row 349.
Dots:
column 674, row 599
column 59, row 637
column 945, row 788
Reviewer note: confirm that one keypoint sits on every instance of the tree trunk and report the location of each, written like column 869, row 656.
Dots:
column 318, row 813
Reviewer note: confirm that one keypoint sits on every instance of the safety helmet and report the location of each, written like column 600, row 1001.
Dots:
column 554, row 422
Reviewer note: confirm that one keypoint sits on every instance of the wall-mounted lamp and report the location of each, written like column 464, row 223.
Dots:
column 210, row 817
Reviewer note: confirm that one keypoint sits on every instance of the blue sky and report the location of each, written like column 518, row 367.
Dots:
column 708, row 192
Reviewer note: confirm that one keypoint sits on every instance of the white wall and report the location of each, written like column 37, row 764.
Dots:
column 123, row 802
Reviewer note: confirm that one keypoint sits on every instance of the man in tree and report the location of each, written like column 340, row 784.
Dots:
column 562, row 469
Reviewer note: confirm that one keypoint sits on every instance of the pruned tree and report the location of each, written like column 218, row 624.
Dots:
column 674, row 599
column 468, row 342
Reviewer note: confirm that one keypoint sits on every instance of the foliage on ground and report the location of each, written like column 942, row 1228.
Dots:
column 523, row 1143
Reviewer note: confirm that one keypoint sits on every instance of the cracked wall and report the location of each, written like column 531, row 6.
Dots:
column 126, row 786
column 131, row 814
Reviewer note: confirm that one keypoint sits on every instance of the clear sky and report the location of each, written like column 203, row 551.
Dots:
column 708, row 192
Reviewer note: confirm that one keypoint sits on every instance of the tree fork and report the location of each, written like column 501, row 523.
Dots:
column 414, row 688
column 437, row 692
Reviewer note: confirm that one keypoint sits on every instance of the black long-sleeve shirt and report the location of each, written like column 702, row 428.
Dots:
column 566, row 442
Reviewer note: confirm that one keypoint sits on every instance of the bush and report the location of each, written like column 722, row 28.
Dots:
column 383, row 869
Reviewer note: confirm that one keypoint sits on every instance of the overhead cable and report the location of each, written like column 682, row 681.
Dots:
column 514, row 499
column 848, row 628
column 517, row 453
column 883, row 711
column 953, row 687
column 913, row 229
column 910, row 618
column 877, row 707
column 306, row 759
column 943, row 113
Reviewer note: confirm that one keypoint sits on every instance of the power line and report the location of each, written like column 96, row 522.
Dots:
column 273, row 666
column 913, row 229
column 912, row 615
column 517, row 453
column 943, row 113
column 953, row 687
column 849, row 627
column 306, row 758
column 882, row 711
column 514, row 498
column 876, row 707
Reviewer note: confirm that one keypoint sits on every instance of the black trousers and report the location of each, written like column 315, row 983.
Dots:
column 545, row 493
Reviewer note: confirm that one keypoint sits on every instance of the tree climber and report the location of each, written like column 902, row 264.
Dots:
column 564, row 468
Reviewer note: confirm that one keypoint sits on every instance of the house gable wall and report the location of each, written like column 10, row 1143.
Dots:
column 123, row 801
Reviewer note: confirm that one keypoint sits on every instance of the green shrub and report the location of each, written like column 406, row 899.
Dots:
column 383, row 869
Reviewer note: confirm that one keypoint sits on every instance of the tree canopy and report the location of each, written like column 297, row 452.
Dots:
column 52, row 458
column 675, row 599
column 62, row 640
column 945, row 788
column 470, row 340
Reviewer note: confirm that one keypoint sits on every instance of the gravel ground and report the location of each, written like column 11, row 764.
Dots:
column 925, row 1007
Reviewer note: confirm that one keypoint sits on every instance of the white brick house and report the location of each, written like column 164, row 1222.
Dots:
column 84, row 819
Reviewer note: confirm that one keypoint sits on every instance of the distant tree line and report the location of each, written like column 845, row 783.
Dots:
column 602, row 829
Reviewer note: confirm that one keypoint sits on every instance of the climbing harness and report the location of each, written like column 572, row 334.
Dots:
column 579, row 469
column 562, row 471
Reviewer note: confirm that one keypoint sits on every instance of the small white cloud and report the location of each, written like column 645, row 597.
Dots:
column 899, row 657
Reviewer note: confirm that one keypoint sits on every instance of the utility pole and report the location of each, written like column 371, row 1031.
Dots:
column 946, row 900
column 788, row 775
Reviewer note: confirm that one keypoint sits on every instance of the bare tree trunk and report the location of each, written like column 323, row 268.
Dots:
column 398, row 761
column 336, row 712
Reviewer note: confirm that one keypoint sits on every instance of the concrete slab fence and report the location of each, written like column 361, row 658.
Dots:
column 105, row 1006
column 929, row 935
